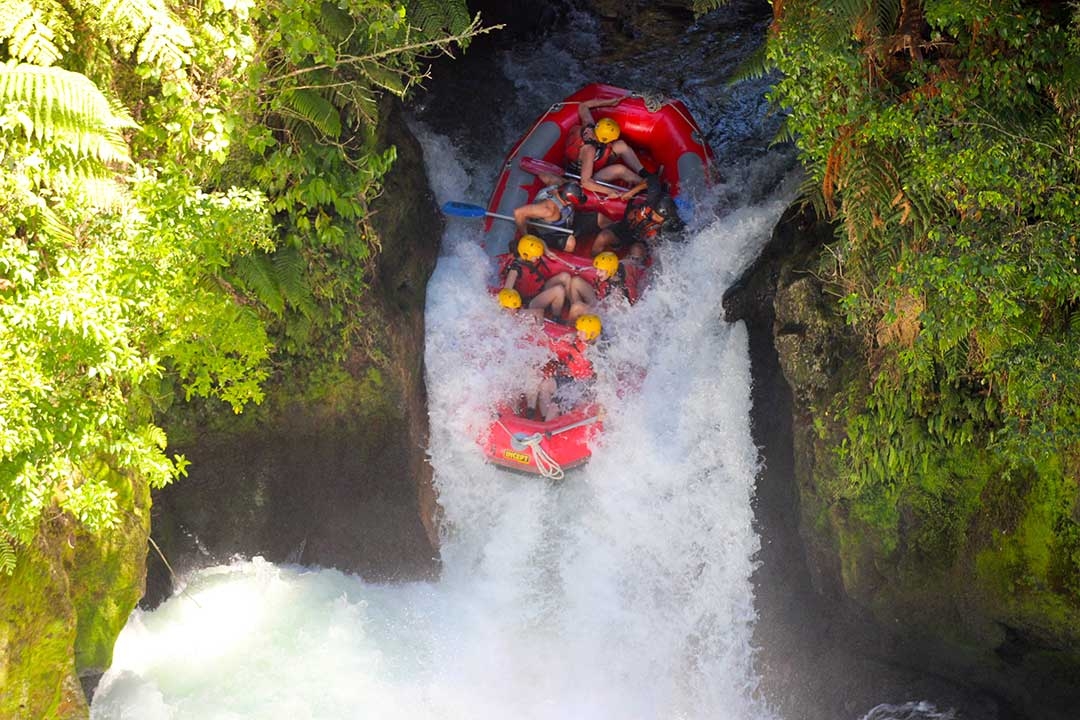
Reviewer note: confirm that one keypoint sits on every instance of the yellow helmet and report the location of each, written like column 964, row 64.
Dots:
column 530, row 248
column 590, row 325
column 510, row 298
column 606, row 261
column 607, row 130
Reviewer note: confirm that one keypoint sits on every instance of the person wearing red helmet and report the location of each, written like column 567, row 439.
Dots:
column 557, row 204
column 640, row 227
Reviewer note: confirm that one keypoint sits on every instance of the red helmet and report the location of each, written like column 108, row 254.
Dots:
column 572, row 193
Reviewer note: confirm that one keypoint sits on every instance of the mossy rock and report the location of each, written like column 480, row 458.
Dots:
column 64, row 606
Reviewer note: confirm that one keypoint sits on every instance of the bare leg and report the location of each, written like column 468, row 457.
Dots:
column 548, row 409
column 603, row 241
column 561, row 279
column 554, row 296
column 549, row 179
column 577, row 310
column 617, row 172
column 532, row 394
column 582, row 291
column 629, row 158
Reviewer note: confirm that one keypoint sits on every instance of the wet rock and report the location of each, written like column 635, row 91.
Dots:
column 62, row 608
column 342, row 481
column 822, row 656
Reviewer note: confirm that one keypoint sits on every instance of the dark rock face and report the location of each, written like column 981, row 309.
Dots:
column 343, row 485
column 821, row 656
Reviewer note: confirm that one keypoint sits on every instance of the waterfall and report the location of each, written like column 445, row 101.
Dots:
column 623, row 591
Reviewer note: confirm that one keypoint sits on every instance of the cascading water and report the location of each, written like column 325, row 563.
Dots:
column 622, row 592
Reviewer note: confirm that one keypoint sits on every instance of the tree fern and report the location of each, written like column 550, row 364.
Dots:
column 312, row 107
column 290, row 274
column 29, row 38
column 255, row 272
column 144, row 27
column 7, row 554
column 437, row 17
column 64, row 109
column 277, row 279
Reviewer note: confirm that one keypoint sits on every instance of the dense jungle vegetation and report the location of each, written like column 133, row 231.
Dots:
column 941, row 137
column 183, row 195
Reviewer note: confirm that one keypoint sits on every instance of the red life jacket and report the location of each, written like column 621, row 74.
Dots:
column 574, row 144
column 530, row 276
column 571, row 358
column 618, row 283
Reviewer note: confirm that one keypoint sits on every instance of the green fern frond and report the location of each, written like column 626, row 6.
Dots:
column 146, row 27
column 7, row 555
column 849, row 12
column 290, row 275
column 783, row 135
column 434, row 18
column 164, row 45
column 256, row 273
column 29, row 37
column 754, row 66
column 312, row 107
column 65, row 109
column 888, row 16
column 700, row 7
column 810, row 194
column 335, row 23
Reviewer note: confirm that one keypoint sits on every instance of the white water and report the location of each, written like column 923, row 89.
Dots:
column 622, row 592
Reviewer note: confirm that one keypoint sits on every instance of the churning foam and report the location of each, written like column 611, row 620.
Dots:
column 622, row 592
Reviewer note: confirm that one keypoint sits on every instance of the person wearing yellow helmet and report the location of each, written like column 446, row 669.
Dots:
column 527, row 271
column 606, row 263
column 510, row 298
column 595, row 151
column 570, row 365
column 588, row 327
column 611, row 277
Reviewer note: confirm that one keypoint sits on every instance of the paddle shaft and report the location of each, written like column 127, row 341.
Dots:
column 534, row 223
column 553, row 169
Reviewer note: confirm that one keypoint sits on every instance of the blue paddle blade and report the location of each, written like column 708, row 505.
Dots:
column 461, row 209
column 685, row 207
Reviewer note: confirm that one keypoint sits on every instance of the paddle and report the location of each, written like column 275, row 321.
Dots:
column 534, row 166
column 467, row 210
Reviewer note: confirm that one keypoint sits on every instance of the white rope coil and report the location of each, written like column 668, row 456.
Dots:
column 545, row 464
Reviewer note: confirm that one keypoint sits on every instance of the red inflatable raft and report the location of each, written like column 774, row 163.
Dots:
column 667, row 141
column 661, row 131
column 537, row 447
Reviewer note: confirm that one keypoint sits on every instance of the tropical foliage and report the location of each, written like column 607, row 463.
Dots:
column 183, row 201
column 941, row 136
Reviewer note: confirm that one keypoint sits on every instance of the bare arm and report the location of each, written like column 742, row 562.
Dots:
column 587, row 158
column 584, row 109
column 545, row 211
column 511, row 278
